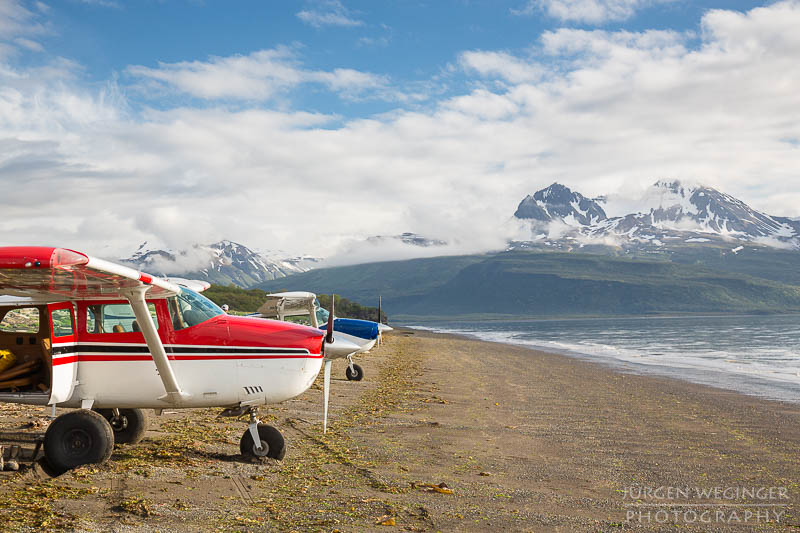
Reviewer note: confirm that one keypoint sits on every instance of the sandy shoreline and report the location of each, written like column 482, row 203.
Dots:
column 524, row 440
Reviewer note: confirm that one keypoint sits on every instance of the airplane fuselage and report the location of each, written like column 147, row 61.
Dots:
column 223, row 361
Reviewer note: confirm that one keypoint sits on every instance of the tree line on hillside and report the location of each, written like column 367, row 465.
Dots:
column 348, row 309
column 249, row 300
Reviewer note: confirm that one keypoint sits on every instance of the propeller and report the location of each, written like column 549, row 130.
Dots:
column 334, row 349
column 329, row 336
column 326, row 376
column 380, row 335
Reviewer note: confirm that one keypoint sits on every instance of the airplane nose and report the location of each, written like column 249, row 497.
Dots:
column 340, row 348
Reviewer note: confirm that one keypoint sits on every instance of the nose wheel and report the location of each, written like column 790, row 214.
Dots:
column 261, row 440
column 354, row 372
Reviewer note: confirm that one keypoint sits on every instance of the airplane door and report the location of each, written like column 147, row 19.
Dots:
column 64, row 357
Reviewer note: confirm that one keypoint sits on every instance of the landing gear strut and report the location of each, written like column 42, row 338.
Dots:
column 259, row 440
column 353, row 372
column 129, row 425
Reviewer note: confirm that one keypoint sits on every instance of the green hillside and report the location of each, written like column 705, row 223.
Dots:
column 249, row 300
column 756, row 261
column 363, row 283
column 547, row 284
column 241, row 300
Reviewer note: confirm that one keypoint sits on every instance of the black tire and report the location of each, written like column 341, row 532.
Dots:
column 129, row 426
column 78, row 438
column 358, row 375
column 270, row 437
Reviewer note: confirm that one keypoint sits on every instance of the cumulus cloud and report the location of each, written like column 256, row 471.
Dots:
column 596, row 109
column 329, row 13
column 588, row 11
column 257, row 76
column 500, row 64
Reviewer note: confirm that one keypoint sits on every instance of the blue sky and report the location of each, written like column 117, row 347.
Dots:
column 182, row 121
column 410, row 42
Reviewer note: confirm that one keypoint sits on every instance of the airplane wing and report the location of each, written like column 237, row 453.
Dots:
column 57, row 274
column 196, row 285
column 288, row 304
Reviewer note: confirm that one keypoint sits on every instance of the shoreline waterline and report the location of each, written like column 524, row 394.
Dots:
column 753, row 355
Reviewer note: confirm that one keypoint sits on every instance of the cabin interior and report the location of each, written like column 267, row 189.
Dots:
column 25, row 349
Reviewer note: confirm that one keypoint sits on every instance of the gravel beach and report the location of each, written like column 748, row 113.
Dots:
column 444, row 434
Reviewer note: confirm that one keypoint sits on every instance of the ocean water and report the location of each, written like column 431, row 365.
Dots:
column 757, row 355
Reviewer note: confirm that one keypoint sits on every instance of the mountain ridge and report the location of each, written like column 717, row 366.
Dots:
column 669, row 214
column 224, row 262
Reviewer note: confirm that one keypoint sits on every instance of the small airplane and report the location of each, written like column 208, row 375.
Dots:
column 85, row 333
column 364, row 333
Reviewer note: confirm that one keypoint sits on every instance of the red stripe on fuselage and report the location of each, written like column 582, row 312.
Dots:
column 127, row 357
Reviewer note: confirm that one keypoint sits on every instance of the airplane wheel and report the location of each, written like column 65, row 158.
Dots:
column 78, row 438
column 272, row 443
column 358, row 375
column 129, row 426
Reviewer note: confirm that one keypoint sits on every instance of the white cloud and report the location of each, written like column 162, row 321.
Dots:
column 16, row 19
column 500, row 64
column 258, row 76
column 329, row 13
column 609, row 108
column 588, row 11
column 102, row 3
column 29, row 44
column 17, row 24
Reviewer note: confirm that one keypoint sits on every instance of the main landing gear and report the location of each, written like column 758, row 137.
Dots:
column 129, row 425
column 78, row 438
column 259, row 440
column 353, row 372
column 85, row 437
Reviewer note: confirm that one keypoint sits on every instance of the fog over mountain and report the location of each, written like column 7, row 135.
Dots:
column 224, row 262
column 669, row 216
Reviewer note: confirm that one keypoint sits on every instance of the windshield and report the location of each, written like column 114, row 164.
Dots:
column 322, row 314
column 192, row 309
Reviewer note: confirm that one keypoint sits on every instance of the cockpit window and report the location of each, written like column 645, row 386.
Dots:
column 190, row 308
column 322, row 314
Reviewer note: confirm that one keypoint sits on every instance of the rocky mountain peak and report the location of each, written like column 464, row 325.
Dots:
column 223, row 262
column 558, row 202
column 668, row 211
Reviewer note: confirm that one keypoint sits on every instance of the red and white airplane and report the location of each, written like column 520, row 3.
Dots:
column 90, row 334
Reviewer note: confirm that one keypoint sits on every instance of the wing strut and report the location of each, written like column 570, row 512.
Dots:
column 174, row 393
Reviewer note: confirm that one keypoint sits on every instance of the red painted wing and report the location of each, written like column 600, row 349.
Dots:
column 60, row 274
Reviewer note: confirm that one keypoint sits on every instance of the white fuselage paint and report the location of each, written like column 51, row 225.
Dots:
column 252, row 376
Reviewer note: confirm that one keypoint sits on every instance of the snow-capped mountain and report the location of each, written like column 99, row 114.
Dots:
column 669, row 214
column 558, row 202
column 224, row 262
